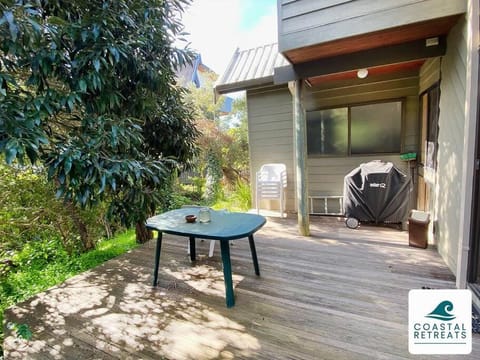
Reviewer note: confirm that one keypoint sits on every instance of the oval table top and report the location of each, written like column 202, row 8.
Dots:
column 223, row 225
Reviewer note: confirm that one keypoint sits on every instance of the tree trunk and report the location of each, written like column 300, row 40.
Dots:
column 87, row 242
column 142, row 233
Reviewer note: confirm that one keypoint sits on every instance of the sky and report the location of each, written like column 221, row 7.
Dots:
column 218, row 27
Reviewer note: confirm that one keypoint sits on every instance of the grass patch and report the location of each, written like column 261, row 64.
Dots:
column 34, row 274
column 228, row 205
column 107, row 250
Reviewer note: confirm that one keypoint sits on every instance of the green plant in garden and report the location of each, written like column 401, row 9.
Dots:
column 243, row 195
column 87, row 91
column 223, row 140
column 236, row 154
column 238, row 199
column 45, row 264
column 21, row 330
column 213, row 176
column 30, row 213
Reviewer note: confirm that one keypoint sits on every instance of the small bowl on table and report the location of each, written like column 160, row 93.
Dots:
column 190, row 218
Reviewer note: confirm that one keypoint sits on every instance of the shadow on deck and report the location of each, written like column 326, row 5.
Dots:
column 339, row 294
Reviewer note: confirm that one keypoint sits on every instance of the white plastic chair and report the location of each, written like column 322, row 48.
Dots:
column 271, row 184
column 212, row 242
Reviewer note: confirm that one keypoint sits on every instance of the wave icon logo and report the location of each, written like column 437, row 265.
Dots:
column 443, row 311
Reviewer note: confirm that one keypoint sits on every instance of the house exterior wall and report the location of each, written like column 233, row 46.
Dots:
column 270, row 134
column 450, row 144
column 308, row 22
column 326, row 174
column 271, row 130
column 429, row 74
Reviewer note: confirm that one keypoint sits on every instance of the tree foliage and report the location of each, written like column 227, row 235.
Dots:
column 30, row 215
column 236, row 155
column 223, row 138
column 202, row 97
column 87, row 89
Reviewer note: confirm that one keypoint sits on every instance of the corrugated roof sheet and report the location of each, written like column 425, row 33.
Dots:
column 250, row 67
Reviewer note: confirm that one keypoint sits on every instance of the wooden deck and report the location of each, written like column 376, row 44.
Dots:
column 339, row 294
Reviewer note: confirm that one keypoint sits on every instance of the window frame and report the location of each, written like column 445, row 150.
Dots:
column 402, row 101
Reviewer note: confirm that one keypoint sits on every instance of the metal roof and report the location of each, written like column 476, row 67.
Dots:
column 252, row 67
column 190, row 72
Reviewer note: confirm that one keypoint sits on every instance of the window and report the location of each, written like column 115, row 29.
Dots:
column 376, row 128
column 327, row 132
column 355, row 130
column 429, row 105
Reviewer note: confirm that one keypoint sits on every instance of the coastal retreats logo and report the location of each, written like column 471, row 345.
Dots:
column 447, row 329
column 442, row 311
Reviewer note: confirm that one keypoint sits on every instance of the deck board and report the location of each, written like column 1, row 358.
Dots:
column 339, row 294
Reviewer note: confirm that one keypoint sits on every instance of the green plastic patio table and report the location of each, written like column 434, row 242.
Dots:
column 224, row 226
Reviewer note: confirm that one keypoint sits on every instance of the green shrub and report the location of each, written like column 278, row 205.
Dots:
column 243, row 195
column 37, row 254
column 237, row 200
column 30, row 212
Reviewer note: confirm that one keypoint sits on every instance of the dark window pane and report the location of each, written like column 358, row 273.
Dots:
column 376, row 128
column 327, row 132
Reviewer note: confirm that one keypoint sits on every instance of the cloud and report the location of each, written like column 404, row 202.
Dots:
column 215, row 30
column 264, row 32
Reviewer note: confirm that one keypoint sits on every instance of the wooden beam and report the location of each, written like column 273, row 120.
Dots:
column 284, row 74
column 291, row 88
column 350, row 43
column 301, row 181
column 382, row 56
column 374, row 57
column 222, row 89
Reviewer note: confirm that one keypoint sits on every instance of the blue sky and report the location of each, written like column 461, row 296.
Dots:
column 218, row 27
column 253, row 10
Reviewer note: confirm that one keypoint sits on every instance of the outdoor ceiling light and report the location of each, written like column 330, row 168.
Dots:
column 362, row 73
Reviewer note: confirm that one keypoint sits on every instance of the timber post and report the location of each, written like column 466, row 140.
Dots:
column 300, row 136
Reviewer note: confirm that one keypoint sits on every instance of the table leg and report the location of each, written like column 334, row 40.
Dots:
column 158, row 248
column 227, row 273
column 192, row 248
column 254, row 254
